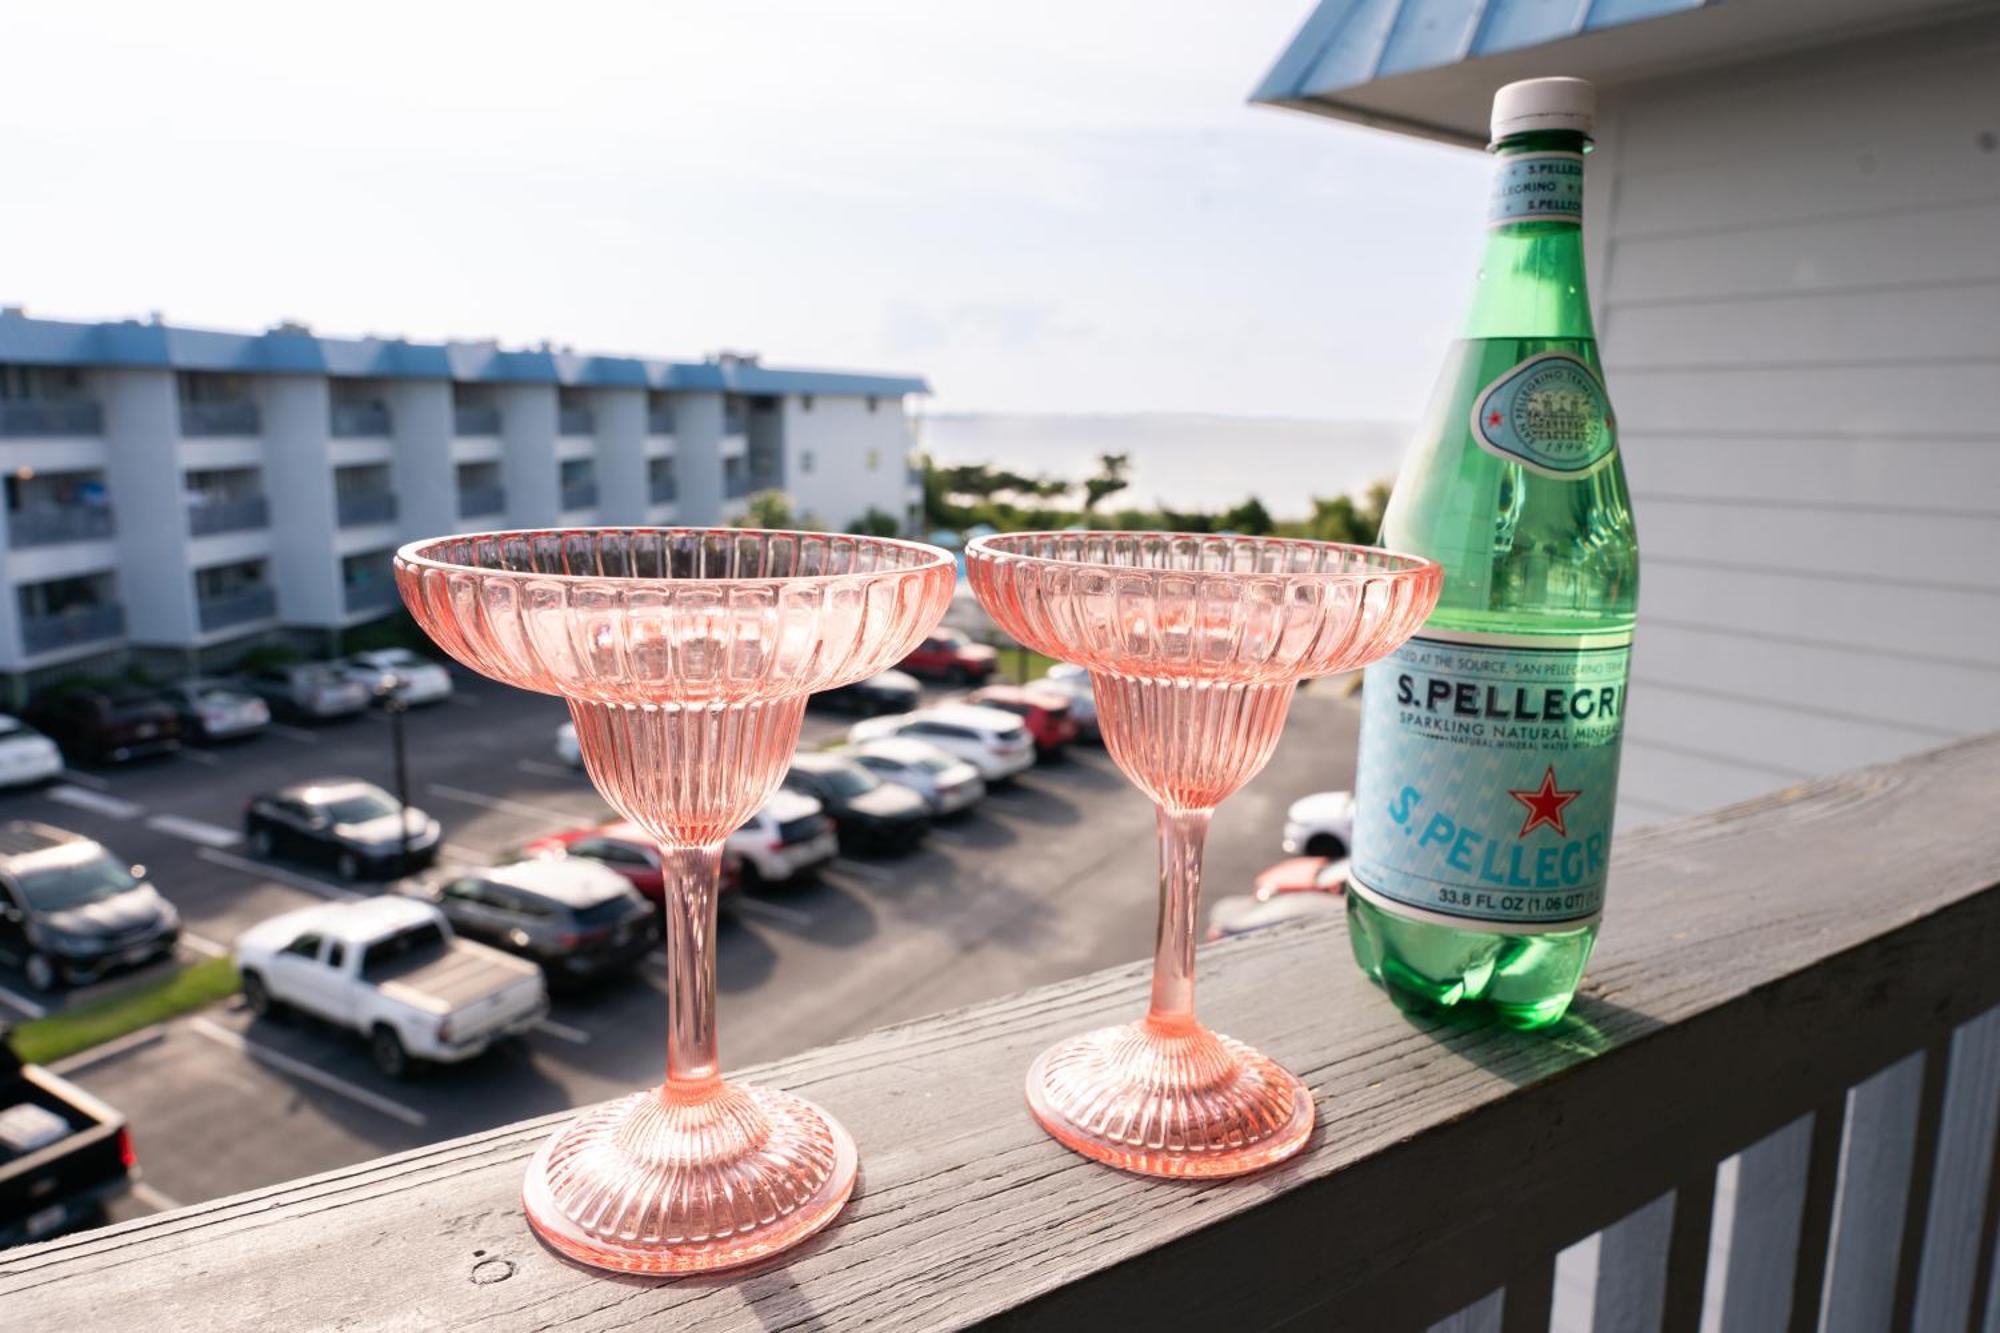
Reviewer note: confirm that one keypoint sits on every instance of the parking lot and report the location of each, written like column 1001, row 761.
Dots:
column 1051, row 876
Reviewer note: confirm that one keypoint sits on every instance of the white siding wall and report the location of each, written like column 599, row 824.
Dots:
column 1797, row 267
column 860, row 459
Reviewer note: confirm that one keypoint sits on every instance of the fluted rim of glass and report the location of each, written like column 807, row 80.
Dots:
column 1371, row 562
column 418, row 555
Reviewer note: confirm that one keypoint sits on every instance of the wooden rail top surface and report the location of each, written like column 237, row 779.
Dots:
column 1746, row 967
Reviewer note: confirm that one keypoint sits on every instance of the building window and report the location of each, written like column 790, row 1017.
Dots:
column 873, row 402
column 805, row 463
column 874, row 459
column 806, row 402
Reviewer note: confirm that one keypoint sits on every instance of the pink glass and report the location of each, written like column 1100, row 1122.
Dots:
column 1193, row 644
column 686, row 655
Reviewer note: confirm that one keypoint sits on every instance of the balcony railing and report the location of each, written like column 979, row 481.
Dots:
column 56, row 417
column 662, row 490
column 735, row 486
column 358, row 509
column 1803, row 984
column 580, row 495
column 374, row 595
column 228, row 513
column 359, row 420
column 243, row 607
column 475, row 421
column 53, row 524
column 916, row 475
column 207, row 419
column 575, row 421
column 660, row 422
column 72, row 628
column 734, row 423
column 473, row 501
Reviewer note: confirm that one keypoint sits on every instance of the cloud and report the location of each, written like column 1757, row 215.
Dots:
column 914, row 329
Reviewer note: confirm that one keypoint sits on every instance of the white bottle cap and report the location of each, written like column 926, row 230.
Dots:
column 1544, row 104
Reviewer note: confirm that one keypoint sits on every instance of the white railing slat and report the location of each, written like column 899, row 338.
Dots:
column 1962, row 1179
column 1757, row 1233
column 1482, row 1316
column 1868, row 1208
column 1632, row 1270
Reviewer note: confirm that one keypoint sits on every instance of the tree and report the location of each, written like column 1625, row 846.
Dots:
column 1249, row 518
column 766, row 509
column 1109, row 479
column 876, row 523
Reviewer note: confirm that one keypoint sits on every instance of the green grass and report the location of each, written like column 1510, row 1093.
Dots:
column 1011, row 656
column 44, row 1040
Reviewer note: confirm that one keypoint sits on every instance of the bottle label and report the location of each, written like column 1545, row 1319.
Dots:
column 1537, row 187
column 1488, row 775
column 1550, row 414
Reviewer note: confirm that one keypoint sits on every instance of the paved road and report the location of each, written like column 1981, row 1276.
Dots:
column 1047, row 879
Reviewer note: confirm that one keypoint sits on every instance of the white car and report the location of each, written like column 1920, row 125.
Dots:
column 567, row 749
column 790, row 835
column 390, row 969
column 948, row 783
column 996, row 743
column 418, row 680
column 1320, row 825
column 25, row 754
column 1074, row 682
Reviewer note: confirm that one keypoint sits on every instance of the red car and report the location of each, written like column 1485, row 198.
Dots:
column 1044, row 712
column 626, row 849
column 949, row 654
column 1301, row 874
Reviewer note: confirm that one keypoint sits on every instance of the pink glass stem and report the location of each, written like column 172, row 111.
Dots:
column 691, row 874
column 1182, row 836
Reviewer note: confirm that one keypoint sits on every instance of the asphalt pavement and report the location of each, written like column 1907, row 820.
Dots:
column 1050, row 877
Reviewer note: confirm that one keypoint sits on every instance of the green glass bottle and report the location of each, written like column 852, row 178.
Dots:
column 1489, row 743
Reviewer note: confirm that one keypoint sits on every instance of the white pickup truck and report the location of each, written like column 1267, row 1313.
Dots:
column 390, row 969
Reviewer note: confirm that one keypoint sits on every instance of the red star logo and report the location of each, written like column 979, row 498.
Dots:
column 1493, row 418
column 1545, row 805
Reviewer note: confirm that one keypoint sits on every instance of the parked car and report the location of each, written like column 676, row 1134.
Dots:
column 216, row 710
column 1301, row 874
column 309, row 690
column 390, row 969
column 950, row 654
column 71, row 912
column 1242, row 913
column 883, row 692
column 63, row 1153
column 629, row 850
column 574, row 918
column 108, row 726
column 868, row 813
column 351, row 826
column 417, row 679
column 995, row 743
column 1074, row 681
column 790, row 836
column 1320, row 825
column 947, row 783
column 1045, row 712
column 26, row 756
column 567, row 749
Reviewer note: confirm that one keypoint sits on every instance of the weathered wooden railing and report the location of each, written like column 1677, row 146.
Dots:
column 1792, row 988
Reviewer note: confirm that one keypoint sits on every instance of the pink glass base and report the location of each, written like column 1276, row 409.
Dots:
column 648, row 1185
column 1162, row 1101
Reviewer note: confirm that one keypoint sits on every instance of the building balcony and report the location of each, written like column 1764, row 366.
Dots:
column 659, row 423
column 374, row 595
column 52, row 525
column 1764, row 997
column 735, row 487
column 360, row 509
column 735, row 423
column 57, row 417
column 476, row 501
column 475, row 421
column 575, row 421
column 359, row 420
column 203, row 420
column 244, row 607
column 662, row 490
column 208, row 516
column 73, row 628
column 916, row 475
column 580, row 495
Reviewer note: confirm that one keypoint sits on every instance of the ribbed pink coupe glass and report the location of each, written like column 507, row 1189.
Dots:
column 1193, row 644
column 686, row 655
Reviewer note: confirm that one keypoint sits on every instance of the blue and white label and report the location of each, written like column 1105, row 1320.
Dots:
column 1489, row 772
column 1537, row 187
column 1550, row 414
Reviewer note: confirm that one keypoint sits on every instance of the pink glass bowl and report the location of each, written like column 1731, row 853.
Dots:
column 686, row 655
column 1194, row 644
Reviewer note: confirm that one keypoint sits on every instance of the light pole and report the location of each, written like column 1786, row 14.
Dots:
column 390, row 691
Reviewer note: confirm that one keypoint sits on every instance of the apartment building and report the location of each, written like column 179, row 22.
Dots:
column 175, row 494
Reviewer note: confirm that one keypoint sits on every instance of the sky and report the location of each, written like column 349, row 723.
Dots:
column 1040, row 206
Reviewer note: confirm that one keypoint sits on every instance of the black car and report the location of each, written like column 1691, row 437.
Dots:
column 349, row 825
column 867, row 812
column 883, row 692
column 71, row 912
column 108, row 726
column 579, row 920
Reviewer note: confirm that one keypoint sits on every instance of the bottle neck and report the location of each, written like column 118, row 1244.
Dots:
column 1531, row 280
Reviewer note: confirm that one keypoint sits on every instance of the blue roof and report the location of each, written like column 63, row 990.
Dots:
column 287, row 349
column 1345, row 44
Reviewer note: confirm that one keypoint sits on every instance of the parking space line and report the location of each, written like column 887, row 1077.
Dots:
column 23, row 1003
column 574, row 1036
column 547, row 770
column 221, row 1035
column 90, row 780
column 279, row 873
column 195, row 830
column 152, row 1198
column 203, row 945
column 459, row 852
column 871, row 874
column 97, row 802
column 292, row 733
column 202, row 757
column 117, row 1046
column 504, row 807
column 791, row 916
